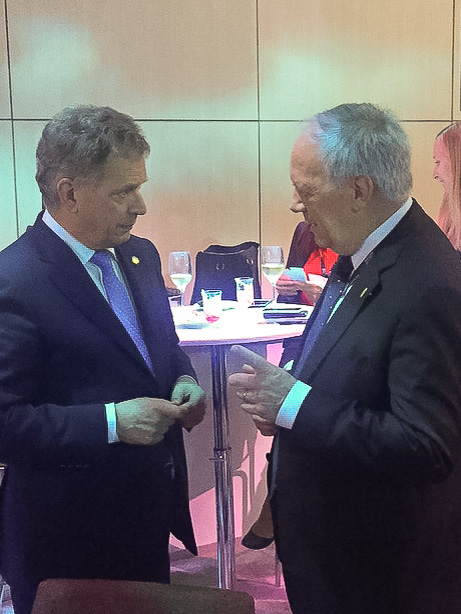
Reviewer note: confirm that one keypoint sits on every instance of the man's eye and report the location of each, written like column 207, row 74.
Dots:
column 123, row 193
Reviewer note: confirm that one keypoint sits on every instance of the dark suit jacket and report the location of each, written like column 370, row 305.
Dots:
column 368, row 486
column 72, row 504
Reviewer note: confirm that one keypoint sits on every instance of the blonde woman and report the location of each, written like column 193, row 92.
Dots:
column 447, row 170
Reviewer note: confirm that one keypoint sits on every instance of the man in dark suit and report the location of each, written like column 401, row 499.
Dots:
column 366, row 484
column 94, row 389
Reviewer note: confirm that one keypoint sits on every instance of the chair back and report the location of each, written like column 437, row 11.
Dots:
column 218, row 265
column 123, row 597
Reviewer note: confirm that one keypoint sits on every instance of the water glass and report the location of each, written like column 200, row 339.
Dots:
column 212, row 305
column 244, row 291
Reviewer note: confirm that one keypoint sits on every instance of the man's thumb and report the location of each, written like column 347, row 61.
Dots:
column 243, row 355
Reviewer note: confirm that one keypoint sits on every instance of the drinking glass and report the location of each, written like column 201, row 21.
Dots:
column 212, row 304
column 272, row 265
column 244, row 291
column 180, row 270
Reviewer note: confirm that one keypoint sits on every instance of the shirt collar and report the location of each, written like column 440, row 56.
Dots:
column 82, row 252
column 379, row 234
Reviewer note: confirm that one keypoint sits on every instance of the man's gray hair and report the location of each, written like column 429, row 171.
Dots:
column 362, row 139
column 77, row 141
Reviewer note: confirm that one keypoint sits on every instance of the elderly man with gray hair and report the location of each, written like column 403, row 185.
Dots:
column 365, row 473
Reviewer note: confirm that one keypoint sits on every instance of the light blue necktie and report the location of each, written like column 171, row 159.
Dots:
column 120, row 301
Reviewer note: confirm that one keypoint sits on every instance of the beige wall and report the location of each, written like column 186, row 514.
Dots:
column 219, row 87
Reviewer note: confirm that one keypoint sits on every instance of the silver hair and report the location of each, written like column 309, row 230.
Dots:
column 77, row 141
column 362, row 139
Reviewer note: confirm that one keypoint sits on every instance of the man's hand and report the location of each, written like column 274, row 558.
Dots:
column 262, row 387
column 145, row 421
column 289, row 287
column 266, row 428
column 188, row 395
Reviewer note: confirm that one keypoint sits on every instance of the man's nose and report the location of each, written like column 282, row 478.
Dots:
column 138, row 204
column 296, row 205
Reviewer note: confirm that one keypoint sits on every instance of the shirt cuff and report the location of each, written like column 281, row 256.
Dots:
column 291, row 404
column 186, row 378
column 111, row 418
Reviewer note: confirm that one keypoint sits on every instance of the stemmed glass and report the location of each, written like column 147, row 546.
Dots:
column 180, row 270
column 272, row 265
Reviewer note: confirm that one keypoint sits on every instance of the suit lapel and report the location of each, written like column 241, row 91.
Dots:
column 69, row 275
column 364, row 285
column 359, row 293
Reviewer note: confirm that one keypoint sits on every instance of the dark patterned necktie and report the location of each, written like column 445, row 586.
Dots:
column 331, row 294
column 120, row 301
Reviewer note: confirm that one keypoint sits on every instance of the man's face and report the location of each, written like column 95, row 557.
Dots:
column 326, row 209
column 107, row 208
column 442, row 166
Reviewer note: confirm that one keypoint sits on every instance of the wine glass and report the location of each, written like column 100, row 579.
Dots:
column 272, row 265
column 180, row 270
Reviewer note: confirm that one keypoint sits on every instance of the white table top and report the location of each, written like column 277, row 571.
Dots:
column 236, row 325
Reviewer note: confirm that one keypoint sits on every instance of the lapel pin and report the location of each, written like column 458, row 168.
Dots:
column 364, row 291
column 134, row 259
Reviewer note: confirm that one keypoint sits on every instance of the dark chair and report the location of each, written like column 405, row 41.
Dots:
column 121, row 597
column 216, row 267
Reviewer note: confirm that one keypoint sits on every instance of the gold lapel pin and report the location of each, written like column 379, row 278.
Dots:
column 134, row 259
column 364, row 291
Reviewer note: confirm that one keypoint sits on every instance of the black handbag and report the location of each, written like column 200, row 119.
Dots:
column 218, row 265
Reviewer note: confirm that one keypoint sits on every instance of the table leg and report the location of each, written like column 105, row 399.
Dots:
column 223, row 471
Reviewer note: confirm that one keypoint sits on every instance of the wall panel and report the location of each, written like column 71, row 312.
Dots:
column 174, row 59
column 203, row 185
column 278, row 222
column 7, row 204
column 457, row 61
column 4, row 89
column 27, row 135
column 316, row 55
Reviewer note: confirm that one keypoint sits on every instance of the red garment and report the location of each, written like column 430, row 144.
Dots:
column 320, row 262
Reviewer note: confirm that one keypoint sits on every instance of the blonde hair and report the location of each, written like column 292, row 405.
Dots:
column 449, row 218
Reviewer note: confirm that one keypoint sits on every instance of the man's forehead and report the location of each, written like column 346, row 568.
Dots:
column 305, row 156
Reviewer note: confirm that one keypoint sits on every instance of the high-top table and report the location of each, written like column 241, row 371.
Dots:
column 236, row 326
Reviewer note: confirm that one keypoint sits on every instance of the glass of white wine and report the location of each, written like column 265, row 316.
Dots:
column 180, row 270
column 272, row 265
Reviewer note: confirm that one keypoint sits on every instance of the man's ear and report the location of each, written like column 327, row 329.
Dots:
column 363, row 189
column 66, row 193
